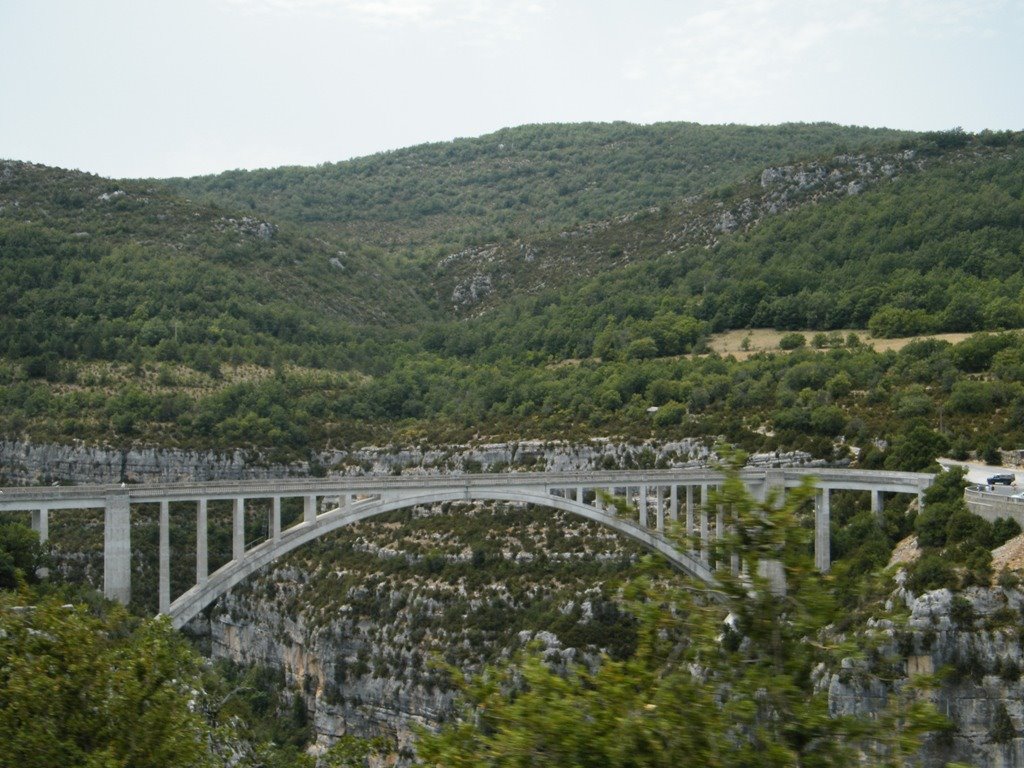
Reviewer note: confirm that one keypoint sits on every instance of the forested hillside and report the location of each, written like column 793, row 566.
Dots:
column 516, row 181
column 95, row 269
column 133, row 314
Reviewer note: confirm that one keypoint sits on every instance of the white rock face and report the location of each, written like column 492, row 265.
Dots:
column 979, row 665
column 23, row 463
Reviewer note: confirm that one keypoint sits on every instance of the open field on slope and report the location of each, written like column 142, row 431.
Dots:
column 767, row 340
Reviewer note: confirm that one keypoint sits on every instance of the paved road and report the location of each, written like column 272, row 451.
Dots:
column 978, row 473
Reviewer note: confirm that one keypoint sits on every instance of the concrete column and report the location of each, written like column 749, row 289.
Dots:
column 164, row 590
column 689, row 514
column 309, row 509
column 117, row 549
column 720, row 532
column 238, row 530
column 822, row 532
column 642, row 504
column 41, row 523
column 202, row 566
column 760, row 491
column 275, row 518
column 673, row 502
column 579, row 494
column 775, row 481
column 734, row 557
column 876, row 503
column 704, row 539
column 920, row 501
column 659, row 507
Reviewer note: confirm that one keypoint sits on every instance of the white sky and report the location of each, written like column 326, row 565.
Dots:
column 182, row 87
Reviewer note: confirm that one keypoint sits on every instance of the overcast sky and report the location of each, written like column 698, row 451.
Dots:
column 182, row 87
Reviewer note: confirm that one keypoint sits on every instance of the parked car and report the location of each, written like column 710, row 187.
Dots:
column 1007, row 478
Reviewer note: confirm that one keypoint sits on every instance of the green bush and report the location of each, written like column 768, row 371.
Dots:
column 932, row 571
column 792, row 341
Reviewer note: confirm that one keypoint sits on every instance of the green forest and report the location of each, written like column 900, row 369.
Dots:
column 132, row 314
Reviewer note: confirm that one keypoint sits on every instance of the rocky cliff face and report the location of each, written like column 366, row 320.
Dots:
column 359, row 620
column 24, row 463
column 971, row 643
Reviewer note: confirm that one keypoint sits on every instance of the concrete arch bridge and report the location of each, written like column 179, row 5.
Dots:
column 328, row 504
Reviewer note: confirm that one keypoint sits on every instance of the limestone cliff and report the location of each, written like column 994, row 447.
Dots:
column 971, row 643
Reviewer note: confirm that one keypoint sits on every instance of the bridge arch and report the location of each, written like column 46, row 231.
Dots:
column 192, row 602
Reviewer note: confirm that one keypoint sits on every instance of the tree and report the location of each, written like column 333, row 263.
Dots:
column 21, row 555
column 82, row 690
column 916, row 450
column 721, row 677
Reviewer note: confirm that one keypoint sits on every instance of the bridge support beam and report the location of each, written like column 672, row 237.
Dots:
column 309, row 509
column 704, row 540
column 720, row 534
column 876, row 503
column 689, row 516
column 822, row 531
column 673, row 502
column 202, row 564
column 238, row 529
column 41, row 523
column 642, row 504
column 117, row 549
column 659, row 509
column 164, row 588
column 275, row 518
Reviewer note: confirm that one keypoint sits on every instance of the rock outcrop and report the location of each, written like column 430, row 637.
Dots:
column 971, row 643
column 23, row 463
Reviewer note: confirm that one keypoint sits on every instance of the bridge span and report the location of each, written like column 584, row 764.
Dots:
column 678, row 495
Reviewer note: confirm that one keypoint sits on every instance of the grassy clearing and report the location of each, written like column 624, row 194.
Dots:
column 767, row 340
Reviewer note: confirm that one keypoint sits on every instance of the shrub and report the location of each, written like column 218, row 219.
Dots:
column 931, row 572
column 961, row 612
column 792, row 341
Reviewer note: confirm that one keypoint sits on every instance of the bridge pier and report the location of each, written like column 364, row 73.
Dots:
column 202, row 563
column 822, row 531
column 719, row 534
column 309, row 509
column 275, row 518
column 673, row 503
column 164, row 589
column 704, row 532
column 41, row 523
column 642, row 504
column 659, row 507
column 117, row 548
column 876, row 503
column 689, row 518
column 238, row 529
